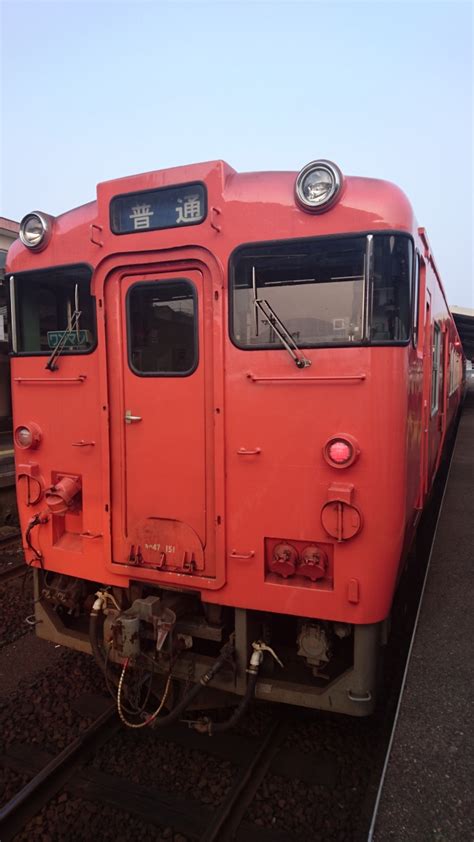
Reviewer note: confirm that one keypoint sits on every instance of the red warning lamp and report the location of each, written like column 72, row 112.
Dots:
column 341, row 451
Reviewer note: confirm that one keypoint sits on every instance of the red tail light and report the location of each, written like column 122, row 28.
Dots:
column 341, row 451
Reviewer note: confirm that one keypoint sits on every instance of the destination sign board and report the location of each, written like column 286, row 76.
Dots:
column 150, row 210
column 69, row 339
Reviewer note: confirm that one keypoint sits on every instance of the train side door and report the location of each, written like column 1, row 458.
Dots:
column 160, row 354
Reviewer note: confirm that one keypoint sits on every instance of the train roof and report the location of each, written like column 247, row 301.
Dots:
column 377, row 203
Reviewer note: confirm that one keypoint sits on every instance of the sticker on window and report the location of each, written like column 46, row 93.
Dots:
column 74, row 339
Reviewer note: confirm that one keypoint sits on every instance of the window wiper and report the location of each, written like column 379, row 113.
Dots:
column 283, row 334
column 59, row 348
column 73, row 327
column 277, row 326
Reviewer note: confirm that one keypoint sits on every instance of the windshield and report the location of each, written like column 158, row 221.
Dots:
column 46, row 303
column 323, row 291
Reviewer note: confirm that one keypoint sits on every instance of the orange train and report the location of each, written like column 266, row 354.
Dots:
column 231, row 395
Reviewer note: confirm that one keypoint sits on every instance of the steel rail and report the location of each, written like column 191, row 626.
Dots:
column 229, row 816
column 11, row 538
column 13, row 572
column 42, row 787
column 254, row 757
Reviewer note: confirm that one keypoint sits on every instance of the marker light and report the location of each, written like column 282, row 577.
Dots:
column 35, row 230
column 318, row 185
column 28, row 437
column 341, row 451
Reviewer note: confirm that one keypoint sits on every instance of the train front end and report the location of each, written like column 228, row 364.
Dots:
column 217, row 393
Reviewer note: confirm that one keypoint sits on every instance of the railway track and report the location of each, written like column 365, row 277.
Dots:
column 9, row 537
column 49, row 778
column 13, row 571
column 10, row 540
column 71, row 771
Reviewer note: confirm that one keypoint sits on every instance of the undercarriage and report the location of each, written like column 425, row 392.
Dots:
column 171, row 635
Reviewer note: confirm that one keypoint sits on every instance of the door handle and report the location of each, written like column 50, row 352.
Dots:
column 132, row 419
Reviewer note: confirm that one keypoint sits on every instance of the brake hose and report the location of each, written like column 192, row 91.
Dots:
column 37, row 520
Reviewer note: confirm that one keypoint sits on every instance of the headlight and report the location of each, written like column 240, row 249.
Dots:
column 35, row 230
column 28, row 436
column 318, row 185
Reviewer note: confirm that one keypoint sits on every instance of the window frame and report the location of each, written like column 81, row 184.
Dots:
column 454, row 364
column 195, row 297
column 14, row 311
column 435, row 368
column 295, row 241
column 415, row 303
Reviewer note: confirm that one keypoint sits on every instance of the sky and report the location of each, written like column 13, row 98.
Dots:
column 100, row 89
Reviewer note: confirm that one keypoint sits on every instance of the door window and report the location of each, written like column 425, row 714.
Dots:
column 162, row 328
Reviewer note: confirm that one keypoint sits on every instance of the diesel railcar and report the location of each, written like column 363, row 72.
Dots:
column 231, row 395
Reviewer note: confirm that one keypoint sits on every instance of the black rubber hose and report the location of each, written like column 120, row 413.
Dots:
column 97, row 651
column 204, row 680
column 171, row 717
column 207, row 726
column 35, row 521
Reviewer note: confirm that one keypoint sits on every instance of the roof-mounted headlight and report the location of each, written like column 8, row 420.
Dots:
column 318, row 186
column 35, row 230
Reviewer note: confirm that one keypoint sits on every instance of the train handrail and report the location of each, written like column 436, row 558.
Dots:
column 318, row 379
column 48, row 380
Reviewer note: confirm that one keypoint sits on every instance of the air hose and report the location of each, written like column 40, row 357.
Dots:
column 203, row 726
column 37, row 520
column 207, row 726
column 98, row 651
column 158, row 722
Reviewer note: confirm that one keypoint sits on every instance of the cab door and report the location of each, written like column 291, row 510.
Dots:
column 160, row 363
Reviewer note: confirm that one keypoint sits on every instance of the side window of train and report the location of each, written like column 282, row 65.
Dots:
column 162, row 328
column 50, row 303
column 435, row 375
column 455, row 370
column 451, row 370
column 416, row 298
column 390, row 318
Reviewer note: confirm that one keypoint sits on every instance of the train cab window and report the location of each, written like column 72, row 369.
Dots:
column 416, row 299
column 314, row 287
column 162, row 328
column 390, row 319
column 52, row 306
column 327, row 291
